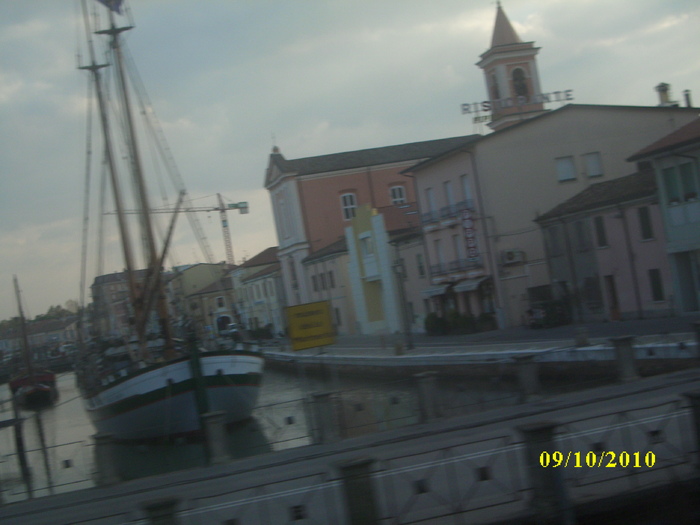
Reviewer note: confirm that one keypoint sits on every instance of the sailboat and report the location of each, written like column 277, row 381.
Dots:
column 150, row 384
column 32, row 388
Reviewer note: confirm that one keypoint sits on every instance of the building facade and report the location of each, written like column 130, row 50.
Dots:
column 314, row 198
column 515, row 174
column 606, row 254
column 676, row 163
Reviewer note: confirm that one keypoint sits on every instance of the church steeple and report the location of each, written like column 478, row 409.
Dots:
column 510, row 71
column 503, row 32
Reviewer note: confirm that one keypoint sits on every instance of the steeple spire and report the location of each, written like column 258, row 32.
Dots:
column 510, row 71
column 503, row 32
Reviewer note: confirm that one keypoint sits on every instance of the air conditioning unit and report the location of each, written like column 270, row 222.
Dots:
column 512, row 256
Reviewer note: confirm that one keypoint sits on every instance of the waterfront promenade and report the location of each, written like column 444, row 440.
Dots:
column 477, row 468
column 666, row 328
column 440, row 466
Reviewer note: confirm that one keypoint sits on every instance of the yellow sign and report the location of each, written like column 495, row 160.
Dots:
column 310, row 325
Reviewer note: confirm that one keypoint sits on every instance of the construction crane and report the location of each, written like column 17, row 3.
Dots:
column 242, row 208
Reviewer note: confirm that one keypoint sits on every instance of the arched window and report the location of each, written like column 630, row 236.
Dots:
column 494, row 88
column 520, row 83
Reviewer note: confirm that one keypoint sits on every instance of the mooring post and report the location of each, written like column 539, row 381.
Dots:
column 550, row 501
column 215, row 429
column 358, row 486
column 624, row 353
column 327, row 423
column 694, row 398
column 581, row 337
column 528, row 377
column 427, row 395
column 696, row 326
column 105, row 462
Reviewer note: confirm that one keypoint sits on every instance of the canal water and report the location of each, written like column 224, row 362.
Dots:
column 59, row 449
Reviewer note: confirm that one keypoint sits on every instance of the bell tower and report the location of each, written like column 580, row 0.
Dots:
column 510, row 71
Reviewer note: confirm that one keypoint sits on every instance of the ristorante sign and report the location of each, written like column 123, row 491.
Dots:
column 519, row 102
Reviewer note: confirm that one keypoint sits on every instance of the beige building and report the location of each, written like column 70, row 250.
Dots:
column 260, row 298
column 328, row 280
column 203, row 295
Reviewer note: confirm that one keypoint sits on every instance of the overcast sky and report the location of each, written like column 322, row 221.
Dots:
column 320, row 76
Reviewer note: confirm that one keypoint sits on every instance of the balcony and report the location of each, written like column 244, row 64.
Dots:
column 446, row 217
column 456, row 266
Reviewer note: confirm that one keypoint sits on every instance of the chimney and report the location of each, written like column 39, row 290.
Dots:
column 663, row 91
column 686, row 95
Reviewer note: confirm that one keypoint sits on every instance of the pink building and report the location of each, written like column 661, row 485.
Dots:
column 314, row 198
column 606, row 252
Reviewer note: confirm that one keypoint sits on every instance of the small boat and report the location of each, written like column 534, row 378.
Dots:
column 147, row 383
column 32, row 389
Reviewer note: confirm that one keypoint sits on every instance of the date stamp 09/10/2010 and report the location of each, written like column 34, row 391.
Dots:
column 604, row 459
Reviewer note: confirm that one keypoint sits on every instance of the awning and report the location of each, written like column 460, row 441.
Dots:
column 435, row 290
column 469, row 285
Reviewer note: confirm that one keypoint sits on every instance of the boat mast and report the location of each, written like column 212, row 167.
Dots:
column 25, row 340
column 94, row 69
column 141, row 311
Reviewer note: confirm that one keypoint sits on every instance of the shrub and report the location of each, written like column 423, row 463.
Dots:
column 435, row 325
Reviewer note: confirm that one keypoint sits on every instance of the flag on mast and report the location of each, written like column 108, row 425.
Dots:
column 114, row 5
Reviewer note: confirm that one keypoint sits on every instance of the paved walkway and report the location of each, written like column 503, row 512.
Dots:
column 663, row 329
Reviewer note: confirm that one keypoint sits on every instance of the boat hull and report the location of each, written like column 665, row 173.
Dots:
column 35, row 392
column 162, row 401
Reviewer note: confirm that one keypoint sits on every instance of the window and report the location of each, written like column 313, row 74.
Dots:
column 438, row 252
column 566, row 169
column 520, row 83
column 314, row 283
column 657, row 287
column 601, row 237
column 366, row 246
column 420, row 265
column 594, row 165
column 449, row 193
column 467, row 189
column 580, row 236
column 458, row 247
column 348, row 204
column 430, row 199
column 398, row 194
column 323, row 281
column 495, row 92
column 645, row 223
column 673, row 192
column 331, row 280
column 554, row 244
column 219, row 302
column 689, row 182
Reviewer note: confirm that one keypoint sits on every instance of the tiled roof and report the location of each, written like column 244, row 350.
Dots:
column 267, row 256
column 337, row 247
column 219, row 286
column 683, row 136
column 367, row 157
column 262, row 273
column 628, row 188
